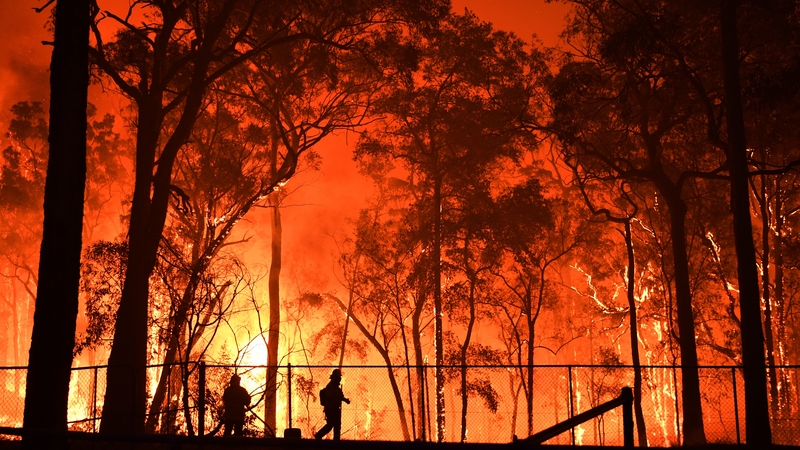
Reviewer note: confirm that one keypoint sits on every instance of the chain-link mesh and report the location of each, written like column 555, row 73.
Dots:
column 12, row 395
column 400, row 403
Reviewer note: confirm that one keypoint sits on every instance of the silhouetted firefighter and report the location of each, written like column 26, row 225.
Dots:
column 331, row 398
column 235, row 399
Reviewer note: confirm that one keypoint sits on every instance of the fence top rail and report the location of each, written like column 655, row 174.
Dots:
column 446, row 366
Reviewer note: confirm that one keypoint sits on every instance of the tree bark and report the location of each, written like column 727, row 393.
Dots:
column 55, row 316
column 757, row 426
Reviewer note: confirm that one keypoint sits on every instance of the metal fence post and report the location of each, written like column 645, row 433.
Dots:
column 736, row 406
column 201, row 399
column 289, row 391
column 94, row 402
column 571, row 403
column 627, row 417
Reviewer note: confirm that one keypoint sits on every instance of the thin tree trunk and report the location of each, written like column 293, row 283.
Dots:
column 273, row 336
column 766, row 295
column 464, row 349
column 529, row 361
column 637, row 368
column 274, row 287
column 786, row 386
column 437, row 306
column 55, row 316
column 416, row 333
column 757, row 426
column 351, row 292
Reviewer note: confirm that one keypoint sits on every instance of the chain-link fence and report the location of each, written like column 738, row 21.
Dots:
column 400, row 403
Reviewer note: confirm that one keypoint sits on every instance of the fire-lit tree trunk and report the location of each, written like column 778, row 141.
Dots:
column 274, row 288
column 54, row 321
column 273, row 336
column 437, row 302
column 757, row 427
column 641, row 431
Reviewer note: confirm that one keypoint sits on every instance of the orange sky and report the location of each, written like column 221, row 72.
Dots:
column 523, row 17
column 328, row 198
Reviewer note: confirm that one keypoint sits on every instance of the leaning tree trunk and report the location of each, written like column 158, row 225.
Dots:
column 757, row 426
column 637, row 367
column 383, row 351
column 55, row 316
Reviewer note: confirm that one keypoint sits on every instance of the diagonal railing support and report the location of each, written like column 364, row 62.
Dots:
column 625, row 400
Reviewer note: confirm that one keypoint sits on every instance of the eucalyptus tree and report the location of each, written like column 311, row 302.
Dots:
column 164, row 57
column 455, row 108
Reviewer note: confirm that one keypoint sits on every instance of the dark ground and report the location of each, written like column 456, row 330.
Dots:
column 91, row 442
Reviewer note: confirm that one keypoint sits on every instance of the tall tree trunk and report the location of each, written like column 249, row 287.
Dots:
column 693, row 428
column 274, row 287
column 637, row 368
column 55, row 316
column 124, row 404
column 757, row 426
column 271, row 392
column 437, row 306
